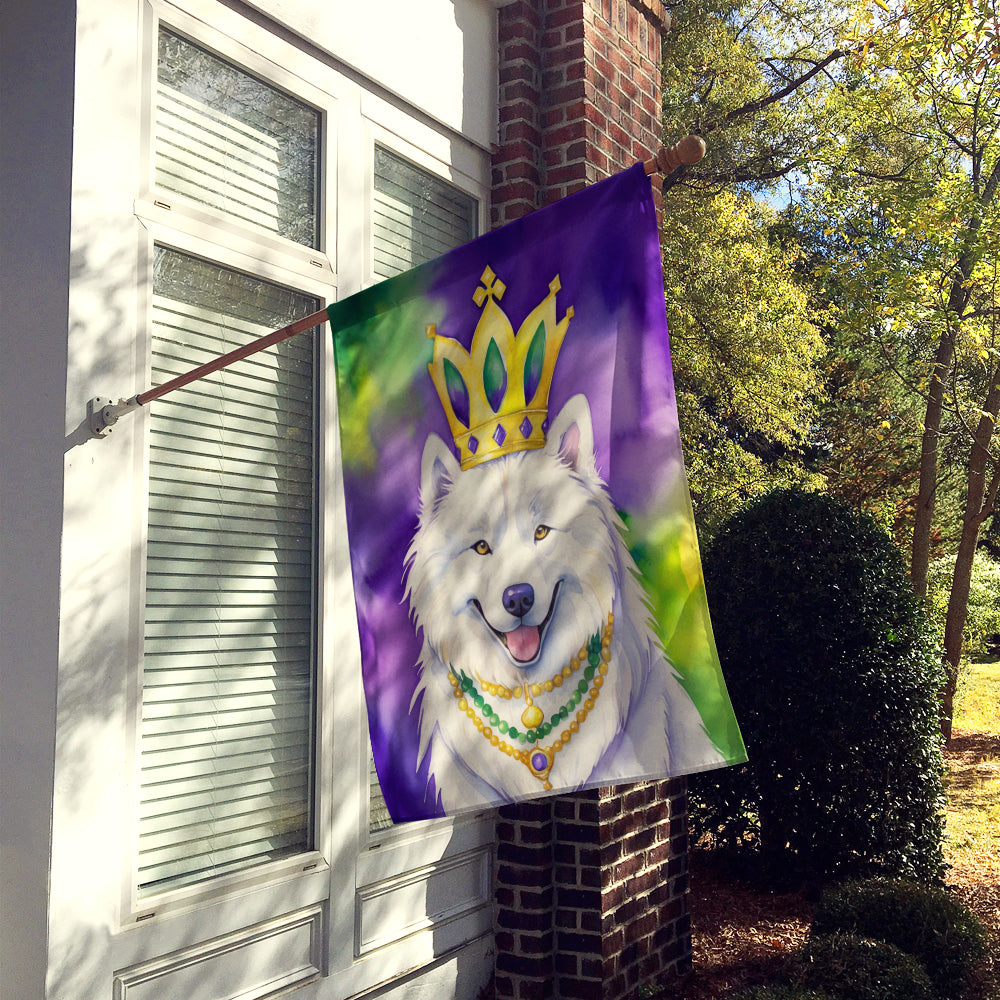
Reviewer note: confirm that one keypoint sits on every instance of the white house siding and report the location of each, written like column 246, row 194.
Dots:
column 78, row 223
column 437, row 55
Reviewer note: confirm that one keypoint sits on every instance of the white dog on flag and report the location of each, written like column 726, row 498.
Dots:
column 539, row 669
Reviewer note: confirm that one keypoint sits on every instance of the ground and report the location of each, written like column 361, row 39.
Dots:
column 742, row 935
column 973, row 848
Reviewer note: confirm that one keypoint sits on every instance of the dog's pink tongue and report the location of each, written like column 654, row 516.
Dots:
column 523, row 642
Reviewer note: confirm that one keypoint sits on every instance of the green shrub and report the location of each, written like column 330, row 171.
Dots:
column 983, row 611
column 856, row 968
column 833, row 673
column 926, row 922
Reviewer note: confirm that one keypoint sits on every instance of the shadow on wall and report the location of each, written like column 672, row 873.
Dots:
column 90, row 826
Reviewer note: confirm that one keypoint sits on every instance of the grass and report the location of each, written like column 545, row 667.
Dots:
column 973, row 783
column 972, row 847
column 978, row 698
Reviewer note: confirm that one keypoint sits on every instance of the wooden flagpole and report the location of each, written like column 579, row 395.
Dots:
column 102, row 413
column 668, row 158
column 260, row 344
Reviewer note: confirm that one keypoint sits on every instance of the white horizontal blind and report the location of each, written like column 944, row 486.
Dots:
column 416, row 217
column 228, row 657
column 230, row 141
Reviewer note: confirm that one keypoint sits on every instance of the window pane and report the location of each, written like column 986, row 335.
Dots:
column 417, row 217
column 228, row 655
column 228, row 140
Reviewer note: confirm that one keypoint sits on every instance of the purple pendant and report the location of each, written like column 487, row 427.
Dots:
column 539, row 761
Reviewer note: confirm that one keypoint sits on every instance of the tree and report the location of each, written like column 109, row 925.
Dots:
column 749, row 73
column 914, row 186
column 746, row 357
column 868, row 429
column 747, row 353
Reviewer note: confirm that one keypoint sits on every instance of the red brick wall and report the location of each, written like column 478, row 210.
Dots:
column 591, row 893
column 591, row 889
column 620, row 886
column 524, row 902
column 579, row 96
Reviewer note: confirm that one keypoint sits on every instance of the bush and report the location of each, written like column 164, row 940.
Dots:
column 856, row 968
column 833, row 673
column 927, row 923
column 982, row 620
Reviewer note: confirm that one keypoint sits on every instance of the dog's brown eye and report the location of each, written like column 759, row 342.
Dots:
column 541, row 531
column 482, row 547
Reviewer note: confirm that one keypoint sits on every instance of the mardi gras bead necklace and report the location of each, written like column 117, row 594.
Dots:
column 523, row 744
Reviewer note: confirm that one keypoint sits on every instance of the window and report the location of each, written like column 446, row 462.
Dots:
column 251, row 804
column 225, row 139
column 416, row 217
column 229, row 646
column 228, row 680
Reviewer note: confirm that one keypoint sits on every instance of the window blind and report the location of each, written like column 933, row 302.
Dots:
column 228, row 140
column 228, row 655
column 416, row 217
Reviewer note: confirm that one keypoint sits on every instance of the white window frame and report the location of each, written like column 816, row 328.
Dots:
column 386, row 859
column 350, row 874
column 195, row 244
column 180, row 224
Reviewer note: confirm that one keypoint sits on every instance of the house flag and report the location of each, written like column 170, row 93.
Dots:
column 529, row 595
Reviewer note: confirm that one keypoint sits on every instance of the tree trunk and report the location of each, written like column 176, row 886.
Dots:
column 958, row 299
column 979, row 503
column 920, row 553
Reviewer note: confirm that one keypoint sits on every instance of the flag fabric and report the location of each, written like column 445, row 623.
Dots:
column 529, row 596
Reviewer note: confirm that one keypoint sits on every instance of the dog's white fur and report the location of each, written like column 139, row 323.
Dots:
column 643, row 724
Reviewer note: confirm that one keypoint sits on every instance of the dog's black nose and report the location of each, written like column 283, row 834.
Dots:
column 518, row 599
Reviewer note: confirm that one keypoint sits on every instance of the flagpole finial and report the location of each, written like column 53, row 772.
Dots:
column 668, row 158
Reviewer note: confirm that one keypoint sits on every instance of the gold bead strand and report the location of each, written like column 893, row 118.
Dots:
column 538, row 759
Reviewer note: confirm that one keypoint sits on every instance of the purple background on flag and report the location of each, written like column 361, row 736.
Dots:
column 603, row 244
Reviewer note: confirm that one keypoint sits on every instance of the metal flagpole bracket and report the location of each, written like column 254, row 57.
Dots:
column 103, row 413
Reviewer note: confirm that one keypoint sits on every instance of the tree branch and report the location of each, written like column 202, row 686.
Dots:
column 901, row 177
column 754, row 106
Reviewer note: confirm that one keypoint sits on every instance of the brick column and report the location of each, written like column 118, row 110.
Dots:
column 579, row 96
column 517, row 159
column 591, row 889
column 621, row 882
column 524, row 897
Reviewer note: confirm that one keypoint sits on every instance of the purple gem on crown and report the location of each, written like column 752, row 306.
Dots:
column 525, row 428
column 473, row 444
column 539, row 761
column 499, row 435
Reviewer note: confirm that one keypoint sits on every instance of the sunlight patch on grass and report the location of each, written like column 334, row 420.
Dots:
column 977, row 704
column 973, row 780
column 974, row 812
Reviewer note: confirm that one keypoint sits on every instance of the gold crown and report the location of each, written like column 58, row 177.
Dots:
column 496, row 394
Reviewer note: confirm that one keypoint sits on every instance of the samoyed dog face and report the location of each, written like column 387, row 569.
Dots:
column 513, row 564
